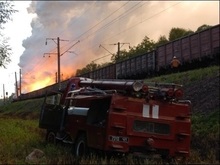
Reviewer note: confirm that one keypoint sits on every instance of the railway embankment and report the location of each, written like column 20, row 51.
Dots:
column 200, row 86
column 204, row 94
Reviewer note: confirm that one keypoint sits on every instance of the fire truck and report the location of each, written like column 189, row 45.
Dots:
column 119, row 116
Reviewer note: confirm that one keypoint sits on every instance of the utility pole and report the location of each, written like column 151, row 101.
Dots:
column 119, row 46
column 118, row 54
column 4, row 93
column 20, row 83
column 56, row 77
column 58, row 58
column 16, row 84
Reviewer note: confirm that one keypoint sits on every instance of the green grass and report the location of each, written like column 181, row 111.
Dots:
column 17, row 139
column 205, row 136
column 206, row 124
column 29, row 109
column 22, row 136
column 187, row 77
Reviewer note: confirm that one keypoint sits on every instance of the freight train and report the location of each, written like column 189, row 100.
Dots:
column 196, row 50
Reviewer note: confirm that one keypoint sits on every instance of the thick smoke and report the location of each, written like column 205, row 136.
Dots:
column 93, row 23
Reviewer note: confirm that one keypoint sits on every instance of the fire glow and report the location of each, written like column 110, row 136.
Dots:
column 40, row 84
column 41, row 79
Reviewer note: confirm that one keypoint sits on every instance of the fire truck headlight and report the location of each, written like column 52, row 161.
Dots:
column 145, row 88
column 137, row 86
column 170, row 92
column 178, row 93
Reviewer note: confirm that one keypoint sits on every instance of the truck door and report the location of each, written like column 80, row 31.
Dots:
column 96, row 122
column 52, row 113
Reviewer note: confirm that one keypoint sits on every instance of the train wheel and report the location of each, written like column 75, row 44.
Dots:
column 80, row 148
column 51, row 137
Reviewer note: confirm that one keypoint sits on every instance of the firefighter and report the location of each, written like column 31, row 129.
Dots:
column 175, row 63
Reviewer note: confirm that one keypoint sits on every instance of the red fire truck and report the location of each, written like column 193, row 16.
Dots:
column 119, row 116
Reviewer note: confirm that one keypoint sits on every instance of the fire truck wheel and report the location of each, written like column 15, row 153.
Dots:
column 51, row 137
column 80, row 146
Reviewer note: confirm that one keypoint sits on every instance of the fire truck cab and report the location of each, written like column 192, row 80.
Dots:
column 120, row 116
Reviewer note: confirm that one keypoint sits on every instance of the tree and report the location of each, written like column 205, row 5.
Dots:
column 4, row 52
column 203, row 27
column 105, row 64
column 78, row 72
column 162, row 40
column 92, row 66
column 123, row 54
column 89, row 67
column 145, row 46
column 176, row 33
column 6, row 11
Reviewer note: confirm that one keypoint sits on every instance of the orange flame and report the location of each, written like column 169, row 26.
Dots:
column 41, row 81
column 40, row 84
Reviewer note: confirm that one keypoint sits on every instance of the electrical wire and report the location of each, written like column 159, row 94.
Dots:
column 121, row 16
column 131, row 9
column 145, row 20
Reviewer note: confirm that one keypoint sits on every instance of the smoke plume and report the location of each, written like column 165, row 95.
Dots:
column 83, row 25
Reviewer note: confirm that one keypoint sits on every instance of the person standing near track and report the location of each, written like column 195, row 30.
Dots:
column 175, row 63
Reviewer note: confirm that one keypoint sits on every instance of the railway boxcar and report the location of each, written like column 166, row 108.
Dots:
column 107, row 72
column 199, row 46
column 136, row 67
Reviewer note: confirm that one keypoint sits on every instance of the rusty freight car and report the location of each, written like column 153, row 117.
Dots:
column 198, row 47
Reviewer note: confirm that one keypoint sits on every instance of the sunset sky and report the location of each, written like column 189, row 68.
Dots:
column 91, row 23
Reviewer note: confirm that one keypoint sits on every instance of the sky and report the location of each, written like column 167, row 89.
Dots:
column 82, row 27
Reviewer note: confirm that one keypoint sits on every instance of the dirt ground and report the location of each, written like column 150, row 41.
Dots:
column 204, row 94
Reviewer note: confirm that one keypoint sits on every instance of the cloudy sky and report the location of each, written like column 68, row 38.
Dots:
column 83, row 25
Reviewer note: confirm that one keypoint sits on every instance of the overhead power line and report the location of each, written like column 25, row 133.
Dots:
column 101, row 21
column 131, row 9
column 70, row 47
column 143, row 21
column 112, row 21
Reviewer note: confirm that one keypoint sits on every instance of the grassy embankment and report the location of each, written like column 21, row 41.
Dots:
column 19, row 132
